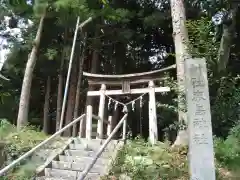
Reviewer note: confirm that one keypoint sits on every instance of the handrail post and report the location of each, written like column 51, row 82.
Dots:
column 89, row 122
column 124, row 132
column 110, row 124
column 88, row 168
column 101, row 112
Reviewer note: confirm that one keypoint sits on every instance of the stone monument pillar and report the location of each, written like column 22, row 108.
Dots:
column 201, row 153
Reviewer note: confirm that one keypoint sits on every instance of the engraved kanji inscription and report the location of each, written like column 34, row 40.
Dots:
column 200, row 123
column 200, row 110
column 198, row 95
column 197, row 82
column 200, row 139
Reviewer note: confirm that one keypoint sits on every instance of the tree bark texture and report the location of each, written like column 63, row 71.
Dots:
column 22, row 118
column 46, row 106
column 60, row 84
column 59, row 94
column 181, row 41
column 71, row 100
column 79, row 82
column 226, row 42
column 94, row 68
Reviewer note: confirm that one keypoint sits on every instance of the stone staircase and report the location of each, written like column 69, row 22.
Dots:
column 73, row 159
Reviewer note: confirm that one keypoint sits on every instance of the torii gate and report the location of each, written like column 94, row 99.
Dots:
column 126, row 80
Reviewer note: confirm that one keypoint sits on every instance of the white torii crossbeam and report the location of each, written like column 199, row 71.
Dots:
column 132, row 91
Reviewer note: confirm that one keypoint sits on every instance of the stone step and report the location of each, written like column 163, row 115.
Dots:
column 89, row 177
column 50, row 178
column 110, row 147
column 82, row 147
column 93, row 142
column 81, row 153
column 76, row 166
column 59, row 173
column 68, row 174
column 87, row 160
column 92, row 176
column 70, row 164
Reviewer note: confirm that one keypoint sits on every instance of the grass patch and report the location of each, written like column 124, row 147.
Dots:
column 16, row 143
column 228, row 151
column 139, row 160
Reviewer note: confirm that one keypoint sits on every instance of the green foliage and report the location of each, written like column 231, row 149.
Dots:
column 3, row 10
column 16, row 144
column 40, row 6
column 202, row 41
column 105, row 2
column 51, row 54
column 140, row 160
column 227, row 151
column 3, row 95
column 167, row 116
column 5, row 128
column 76, row 7
column 154, row 20
column 224, row 90
column 19, row 142
column 225, row 109
column 118, row 15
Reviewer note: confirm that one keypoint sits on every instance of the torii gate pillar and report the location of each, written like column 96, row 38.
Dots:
column 101, row 112
column 153, row 130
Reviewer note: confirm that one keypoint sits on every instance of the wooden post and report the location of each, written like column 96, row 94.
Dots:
column 89, row 122
column 124, row 136
column 81, row 128
column 110, row 124
column 101, row 112
column 124, row 129
column 153, row 131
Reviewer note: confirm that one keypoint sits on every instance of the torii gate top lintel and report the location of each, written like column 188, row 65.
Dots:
column 126, row 80
column 135, row 78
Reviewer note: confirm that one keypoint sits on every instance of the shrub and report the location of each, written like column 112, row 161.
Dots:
column 16, row 144
column 141, row 160
column 227, row 151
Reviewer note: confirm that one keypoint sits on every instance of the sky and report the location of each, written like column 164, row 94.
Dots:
column 14, row 32
column 3, row 52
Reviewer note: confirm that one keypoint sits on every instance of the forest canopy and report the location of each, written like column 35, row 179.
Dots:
column 127, row 36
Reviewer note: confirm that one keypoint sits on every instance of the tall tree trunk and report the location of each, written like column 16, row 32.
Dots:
column 226, row 42
column 71, row 100
column 180, row 36
column 27, row 80
column 118, row 61
column 46, row 106
column 79, row 81
column 60, row 81
column 94, row 68
column 60, row 86
column 60, row 92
